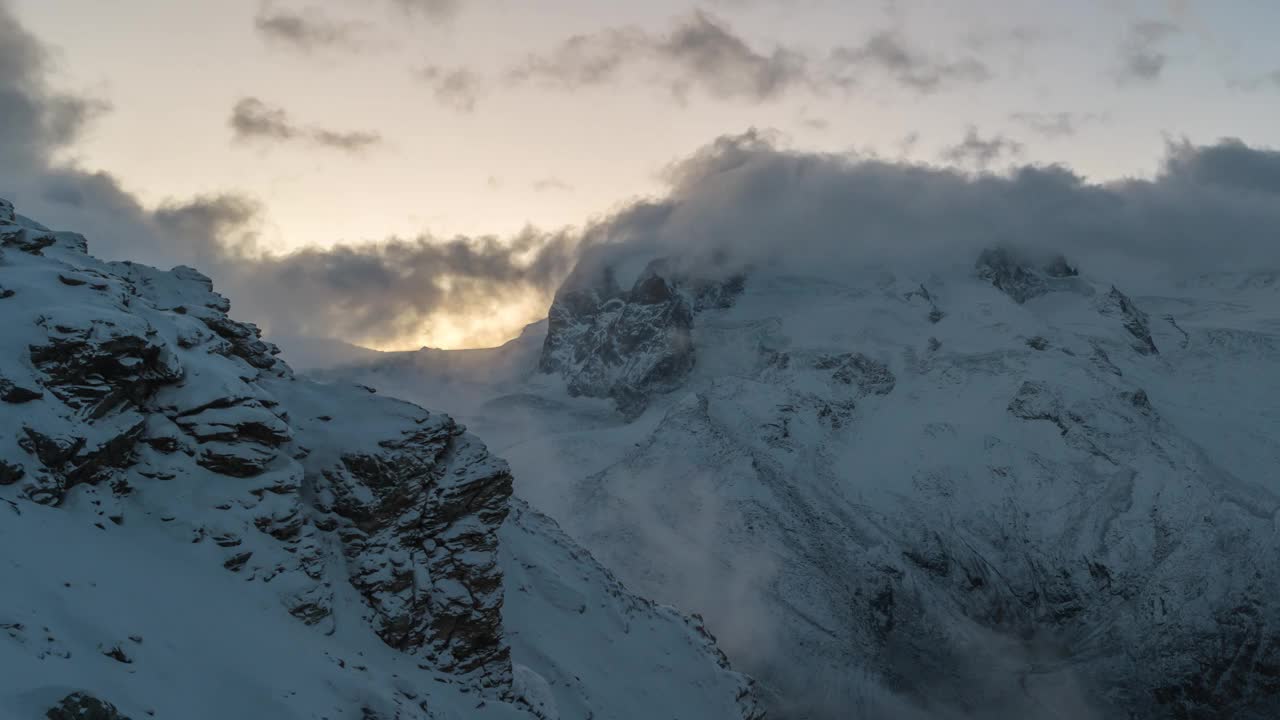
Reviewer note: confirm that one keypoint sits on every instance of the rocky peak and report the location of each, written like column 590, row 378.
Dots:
column 135, row 382
column 1136, row 322
column 1020, row 278
column 629, row 344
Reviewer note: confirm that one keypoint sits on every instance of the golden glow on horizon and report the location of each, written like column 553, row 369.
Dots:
column 478, row 329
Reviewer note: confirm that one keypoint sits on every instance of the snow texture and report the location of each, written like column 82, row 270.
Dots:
column 187, row 530
column 998, row 490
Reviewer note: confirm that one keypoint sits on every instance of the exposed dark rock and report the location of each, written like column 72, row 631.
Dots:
column 117, row 654
column 10, row 473
column 629, row 345
column 96, row 366
column 81, row 706
column 1116, row 303
column 12, row 392
column 25, row 239
column 424, row 549
column 872, row 377
column 1019, row 278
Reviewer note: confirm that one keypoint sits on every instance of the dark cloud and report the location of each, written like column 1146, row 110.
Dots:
column 711, row 56
column 1142, row 55
column 701, row 52
column 306, row 30
column 1230, row 164
column 458, row 88
column 254, row 120
column 34, row 120
column 979, row 153
column 889, row 54
column 1054, row 125
column 742, row 201
column 370, row 291
column 396, row 289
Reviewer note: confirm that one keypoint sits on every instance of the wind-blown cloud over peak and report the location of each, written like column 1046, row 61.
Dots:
column 743, row 201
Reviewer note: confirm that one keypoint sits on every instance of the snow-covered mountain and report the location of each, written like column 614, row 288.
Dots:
column 1002, row 489
column 187, row 530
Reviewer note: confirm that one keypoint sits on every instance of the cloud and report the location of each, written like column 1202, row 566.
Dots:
column 978, row 152
column 254, row 120
column 551, row 184
column 889, row 54
column 1142, row 57
column 1054, row 125
column 307, row 30
column 436, row 10
column 458, row 88
column 742, row 201
column 701, row 52
column 397, row 290
column 1230, row 164
column 36, row 120
column 368, row 291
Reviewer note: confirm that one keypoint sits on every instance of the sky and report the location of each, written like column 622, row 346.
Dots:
column 423, row 172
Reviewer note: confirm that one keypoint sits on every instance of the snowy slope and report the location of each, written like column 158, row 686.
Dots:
column 189, row 531
column 1002, row 489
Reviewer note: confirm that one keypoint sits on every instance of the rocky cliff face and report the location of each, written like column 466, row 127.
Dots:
column 629, row 345
column 131, row 401
column 128, row 377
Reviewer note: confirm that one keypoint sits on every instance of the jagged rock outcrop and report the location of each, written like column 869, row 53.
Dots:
column 320, row 550
column 79, row 706
column 130, row 377
column 1136, row 322
column 628, row 345
column 1020, row 279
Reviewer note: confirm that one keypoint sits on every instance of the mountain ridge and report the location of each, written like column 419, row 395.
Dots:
column 193, row 531
column 983, row 491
